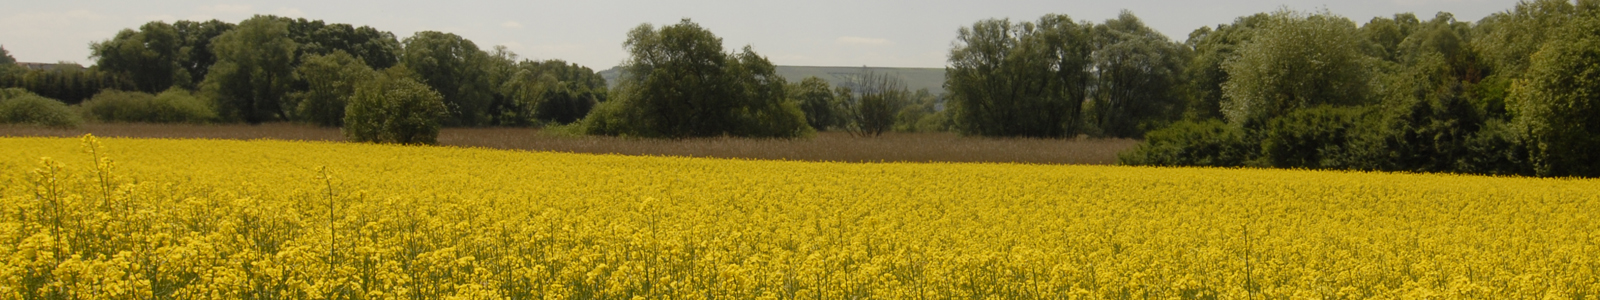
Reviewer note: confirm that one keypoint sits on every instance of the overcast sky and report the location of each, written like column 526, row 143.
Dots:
column 812, row 33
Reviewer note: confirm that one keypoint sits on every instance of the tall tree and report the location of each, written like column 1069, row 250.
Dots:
column 1137, row 72
column 331, row 80
column 149, row 56
column 1298, row 61
column 452, row 66
column 254, row 70
column 678, row 83
column 569, row 91
column 816, row 99
column 871, row 102
column 1204, row 74
column 1027, row 79
column 1557, row 106
column 195, row 57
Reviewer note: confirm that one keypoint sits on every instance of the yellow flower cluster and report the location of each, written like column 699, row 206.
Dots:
column 216, row 219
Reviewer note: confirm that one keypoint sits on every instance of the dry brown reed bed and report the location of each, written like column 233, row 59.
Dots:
column 826, row 146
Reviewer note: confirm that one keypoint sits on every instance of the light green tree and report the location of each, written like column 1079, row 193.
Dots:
column 1557, row 104
column 394, row 108
column 1296, row 61
column 1204, row 74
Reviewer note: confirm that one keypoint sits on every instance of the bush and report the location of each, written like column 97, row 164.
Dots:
column 18, row 106
column 1188, row 143
column 172, row 106
column 1323, row 138
column 395, row 108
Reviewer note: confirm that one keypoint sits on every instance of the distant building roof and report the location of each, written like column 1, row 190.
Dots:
column 49, row 67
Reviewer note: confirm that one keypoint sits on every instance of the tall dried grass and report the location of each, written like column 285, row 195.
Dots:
column 826, row 146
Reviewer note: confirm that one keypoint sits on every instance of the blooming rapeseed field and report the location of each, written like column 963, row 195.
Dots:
column 215, row 219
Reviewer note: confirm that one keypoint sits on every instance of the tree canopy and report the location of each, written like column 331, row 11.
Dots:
column 679, row 83
column 1298, row 61
column 1021, row 79
column 254, row 70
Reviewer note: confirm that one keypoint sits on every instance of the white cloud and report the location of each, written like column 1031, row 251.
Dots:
column 862, row 41
column 511, row 24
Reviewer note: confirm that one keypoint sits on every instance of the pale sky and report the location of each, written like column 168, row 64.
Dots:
column 590, row 33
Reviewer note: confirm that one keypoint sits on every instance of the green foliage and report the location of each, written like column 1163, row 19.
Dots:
column 1194, row 143
column 330, row 81
column 454, row 67
column 374, row 48
column 1137, row 73
column 1557, row 104
column 816, row 100
column 923, row 114
column 1321, row 138
column 1027, row 79
column 254, row 71
column 175, row 105
column 543, row 92
column 1428, row 122
column 1296, row 61
column 576, row 91
column 1204, row 72
column 678, row 83
column 18, row 106
column 195, row 57
column 394, row 108
column 1384, row 35
column 8, row 64
column 871, row 103
column 161, row 55
column 1507, row 40
column 149, row 56
column 68, row 83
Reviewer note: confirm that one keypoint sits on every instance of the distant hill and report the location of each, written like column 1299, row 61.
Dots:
column 916, row 78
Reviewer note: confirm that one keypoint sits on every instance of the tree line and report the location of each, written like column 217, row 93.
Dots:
column 1511, row 94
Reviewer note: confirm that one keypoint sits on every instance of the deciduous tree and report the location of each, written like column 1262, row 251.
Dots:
column 1027, row 79
column 254, row 70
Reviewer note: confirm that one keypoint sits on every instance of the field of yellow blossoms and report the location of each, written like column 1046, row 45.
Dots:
column 215, row 219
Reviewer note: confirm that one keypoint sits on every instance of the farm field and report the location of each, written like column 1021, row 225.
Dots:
column 116, row 218
column 826, row 146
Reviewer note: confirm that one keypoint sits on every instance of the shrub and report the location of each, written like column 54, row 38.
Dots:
column 1323, row 138
column 1189, row 143
column 18, row 106
column 172, row 106
column 395, row 108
